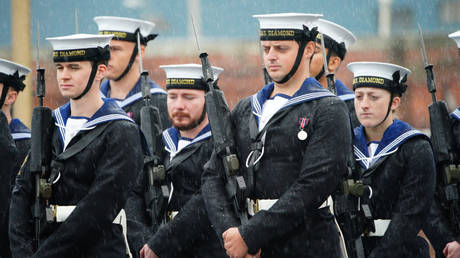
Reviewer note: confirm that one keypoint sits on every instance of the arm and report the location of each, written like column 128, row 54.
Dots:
column 437, row 228
column 415, row 197
column 187, row 227
column 320, row 174
column 114, row 176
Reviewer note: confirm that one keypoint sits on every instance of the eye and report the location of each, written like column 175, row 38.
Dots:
column 189, row 97
column 374, row 97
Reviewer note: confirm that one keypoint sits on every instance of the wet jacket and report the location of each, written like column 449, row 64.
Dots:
column 402, row 178
column 8, row 155
column 439, row 228
column 97, row 180
column 133, row 102
column 300, row 173
column 189, row 234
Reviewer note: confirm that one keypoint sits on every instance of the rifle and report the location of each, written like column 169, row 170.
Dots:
column 442, row 141
column 40, row 156
column 352, row 211
column 329, row 76
column 157, row 192
column 222, row 135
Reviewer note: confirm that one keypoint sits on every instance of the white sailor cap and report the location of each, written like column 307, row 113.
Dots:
column 13, row 74
column 187, row 76
column 387, row 76
column 336, row 36
column 456, row 36
column 286, row 26
column 81, row 47
column 126, row 28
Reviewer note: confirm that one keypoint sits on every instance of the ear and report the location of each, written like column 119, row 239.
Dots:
column 309, row 50
column 334, row 62
column 101, row 70
column 395, row 103
column 11, row 97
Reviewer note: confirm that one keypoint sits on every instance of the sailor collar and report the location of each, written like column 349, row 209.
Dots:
column 393, row 137
column 343, row 92
column 134, row 94
column 310, row 90
column 456, row 114
column 171, row 138
column 109, row 111
column 18, row 130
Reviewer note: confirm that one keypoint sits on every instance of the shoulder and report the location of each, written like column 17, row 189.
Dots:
column 121, row 127
column 242, row 106
column 419, row 146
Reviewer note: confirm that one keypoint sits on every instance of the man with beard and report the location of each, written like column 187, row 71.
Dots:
column 188, row 146
column 123, row 76
column 337, row 40
column 12, row 76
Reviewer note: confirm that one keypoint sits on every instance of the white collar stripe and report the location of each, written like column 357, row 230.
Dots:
column 201, row 137
column 256, row 104
column 309, row 96
column 347, row 97
column 106, row 118
column 17, row 136
column 361, row 156
column 169, row 142
column 456, row 113
column 137, row 96
column 398, row 140
column 57, row 114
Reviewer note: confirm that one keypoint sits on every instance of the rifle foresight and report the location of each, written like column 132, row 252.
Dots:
column 207, row 71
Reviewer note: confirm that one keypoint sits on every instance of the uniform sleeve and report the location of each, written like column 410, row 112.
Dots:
column 415, row 197
column 321, row 170
column 190, row 224
column 437, row 228
column 21, row 227
column 8, row 155
column 139, row 225
column 115, row 175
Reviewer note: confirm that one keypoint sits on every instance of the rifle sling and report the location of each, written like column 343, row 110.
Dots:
column 82, row 143
column 257, row 143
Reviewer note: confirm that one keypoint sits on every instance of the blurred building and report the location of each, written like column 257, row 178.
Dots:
column 386, row 31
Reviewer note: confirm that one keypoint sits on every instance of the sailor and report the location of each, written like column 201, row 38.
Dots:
column 286, row 138
column 123, row 75
column 396, row 162
column 94, row 159
column 337, row 40
column 188, row 144
column 12, row 76
column 441, row 228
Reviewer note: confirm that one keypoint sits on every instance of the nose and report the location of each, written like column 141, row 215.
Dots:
column 271, row 55
column 65, row 74
column 364, row 103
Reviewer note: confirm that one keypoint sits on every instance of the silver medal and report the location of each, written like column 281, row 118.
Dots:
column 302, row 135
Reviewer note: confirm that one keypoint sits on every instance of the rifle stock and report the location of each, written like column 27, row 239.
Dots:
column 221, row 127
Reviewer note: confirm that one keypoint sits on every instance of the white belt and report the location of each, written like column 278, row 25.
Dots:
column 381, row 226
column 61, row 213
column 257, row 205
